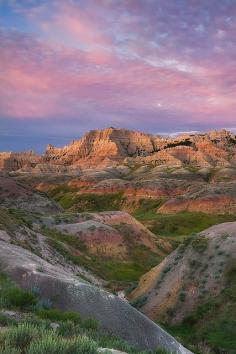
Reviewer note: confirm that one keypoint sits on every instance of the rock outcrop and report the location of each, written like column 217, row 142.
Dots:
column 10, row 161
column 110, row 147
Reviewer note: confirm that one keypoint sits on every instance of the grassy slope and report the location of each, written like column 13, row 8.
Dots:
column 116, row 272
column 178, row 226
column 212, row 325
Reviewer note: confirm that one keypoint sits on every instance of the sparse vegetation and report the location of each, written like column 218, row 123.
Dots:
column 213, row 322
column 200, row 243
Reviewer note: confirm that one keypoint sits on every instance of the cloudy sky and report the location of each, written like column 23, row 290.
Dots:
column 161, row 66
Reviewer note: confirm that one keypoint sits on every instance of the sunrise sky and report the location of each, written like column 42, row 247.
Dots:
column 161, row 66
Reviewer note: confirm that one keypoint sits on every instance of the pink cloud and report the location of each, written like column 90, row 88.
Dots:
column 119, row 60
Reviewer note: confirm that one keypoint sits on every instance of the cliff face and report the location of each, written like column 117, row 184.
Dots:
column 112, row 146
column 101, row 147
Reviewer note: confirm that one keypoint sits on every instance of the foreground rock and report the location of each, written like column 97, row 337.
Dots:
column 68, row 292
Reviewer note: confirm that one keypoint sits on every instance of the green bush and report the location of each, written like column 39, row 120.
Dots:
column 90, row 323
column 182, row 296
column 110, row 341
column 16, row 297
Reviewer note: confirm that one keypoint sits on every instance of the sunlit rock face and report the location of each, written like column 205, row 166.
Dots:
column 112, row 146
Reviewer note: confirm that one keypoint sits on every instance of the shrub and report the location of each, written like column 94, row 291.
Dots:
column 45, row 304
column 13, row 296
column 220, row 253
column 49, row 345
column 10, row 350
column 21, row 336
column 68, row 329
column 110, row 341
column 58, row 345
column 82, row 345
column 90, row 323
column 166, row 269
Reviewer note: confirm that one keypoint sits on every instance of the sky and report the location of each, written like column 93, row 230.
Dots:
column 159, row 66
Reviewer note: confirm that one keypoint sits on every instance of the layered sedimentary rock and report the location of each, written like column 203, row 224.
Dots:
column 112, row 146
column 11, row 161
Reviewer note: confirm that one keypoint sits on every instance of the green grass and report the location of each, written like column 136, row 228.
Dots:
column 31, row 339
column 86, row 202
column 113, row 270
column 57, row 315
column 70, row 240
column 181, row 224
column 175, row 226
column 13, row 297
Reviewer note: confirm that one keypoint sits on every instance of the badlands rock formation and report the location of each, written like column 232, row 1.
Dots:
column 10, row 161
column 111, row 234
column 112, row 146
column 194, row 272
